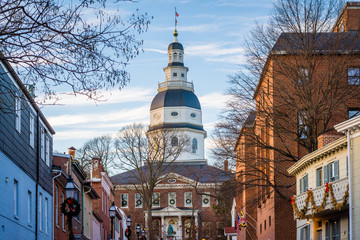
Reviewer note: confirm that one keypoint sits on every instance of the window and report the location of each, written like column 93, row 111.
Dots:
column 175, row 56
column 40, row 212
column 265, row 225
column 124, row 200
column 206, row 229
column 194, row 145
column 260, row 228
column 353, row 112
column 31, row 130
column 305, row 233
column 47, row 151
column 304, row 183
column 62, row 215
column 332, row 230
column 303, row 76
column 180, row 56
column 174, row 74
column 353, row 76
column 42, row 145
column 174, row 114
column 331, row 171
column 188, row 199
column 29, row 208
column 206, row 200
column 319, row 177
column 56, row 206
column 172, row 199
column 16, row 198
column 138, row 200
column 182, row 75
column 302, row 131
column 269, row 221
column 46, row 215
column 156, row 200
column 18, row 113
column 174, row 141
column 220, row 229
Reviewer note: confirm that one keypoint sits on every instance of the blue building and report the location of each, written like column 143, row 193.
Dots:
column 25, row 162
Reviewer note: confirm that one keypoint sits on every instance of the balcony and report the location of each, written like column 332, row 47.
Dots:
column 339, row 188
column 175, row 85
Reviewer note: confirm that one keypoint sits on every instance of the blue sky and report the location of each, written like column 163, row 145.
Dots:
column 212, row 33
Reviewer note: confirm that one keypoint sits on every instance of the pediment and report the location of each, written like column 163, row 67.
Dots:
column 175, row 179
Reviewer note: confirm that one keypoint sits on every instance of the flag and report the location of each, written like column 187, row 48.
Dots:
column 238, row 225
column 176, row 14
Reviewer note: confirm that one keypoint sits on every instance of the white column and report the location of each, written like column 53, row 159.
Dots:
column 162, row 227
column 197, row 226
column 180, row 228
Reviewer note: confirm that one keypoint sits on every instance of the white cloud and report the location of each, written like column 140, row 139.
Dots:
column 106, row 97
column 155, row 50
column 213, row 50
column 214, row 100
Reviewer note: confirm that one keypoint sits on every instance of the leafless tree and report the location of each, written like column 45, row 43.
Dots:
column 98, row 147
column 295, row 81
column 149, row 157
column 78, row 46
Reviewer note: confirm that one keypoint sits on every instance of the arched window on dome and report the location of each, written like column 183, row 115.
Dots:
column 175, row 57
column 194, row 145
column 174, row 142
column 180, row 57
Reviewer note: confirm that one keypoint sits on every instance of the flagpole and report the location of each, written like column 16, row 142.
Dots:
column 175, row 18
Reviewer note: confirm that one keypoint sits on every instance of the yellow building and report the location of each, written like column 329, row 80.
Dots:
column 323, row 188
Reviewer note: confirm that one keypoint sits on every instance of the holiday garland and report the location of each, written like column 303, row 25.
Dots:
column 315, row 209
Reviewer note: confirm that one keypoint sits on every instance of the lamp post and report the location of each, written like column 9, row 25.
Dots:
column 138, row 229
column 112, row 212
column 128, row 230
column 143, row 234
column 70, row 207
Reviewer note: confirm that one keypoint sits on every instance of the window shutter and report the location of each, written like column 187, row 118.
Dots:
column 308, row 232
column 326, row 174
column 305, row 183
column 301, row 185
column 301, row 233
column 336, row 165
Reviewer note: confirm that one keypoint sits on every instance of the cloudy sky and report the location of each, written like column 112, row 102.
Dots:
column 212, row 33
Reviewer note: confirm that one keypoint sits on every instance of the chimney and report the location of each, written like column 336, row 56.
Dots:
column 226, row 165
column 327, row 138
column 72, row 151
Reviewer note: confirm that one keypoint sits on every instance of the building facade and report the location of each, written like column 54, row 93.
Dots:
column 25, row 153
column 182, row 203
column 266, row 147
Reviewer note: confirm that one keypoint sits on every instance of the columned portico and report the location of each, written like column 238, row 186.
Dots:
column 174, row 216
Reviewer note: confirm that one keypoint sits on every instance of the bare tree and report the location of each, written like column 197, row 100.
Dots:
column 98, row 147
column 148, row 156
column 295, row 81
column 80, row 45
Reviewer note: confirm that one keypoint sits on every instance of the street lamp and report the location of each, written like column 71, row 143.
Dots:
column 143, row 233
column 70, row 207
column 112, row 212
column 138, row 229
column 128, row 230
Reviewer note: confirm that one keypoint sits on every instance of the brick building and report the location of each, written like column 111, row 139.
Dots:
column 281, row 129
column 184, row 198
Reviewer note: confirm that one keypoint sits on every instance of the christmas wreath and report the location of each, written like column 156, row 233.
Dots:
column 187, row 230
column 138, row 202
column 124, row 203
column 172, row 201
column 70, row 207
column 156, row 202
column 206, row 201
column 188, row 201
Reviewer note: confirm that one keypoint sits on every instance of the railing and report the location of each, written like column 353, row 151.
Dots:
column 339, row 188
column 172, row 84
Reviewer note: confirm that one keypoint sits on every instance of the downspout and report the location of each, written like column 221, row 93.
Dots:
column 350, row 185
column 37, row 176
column 53, row 183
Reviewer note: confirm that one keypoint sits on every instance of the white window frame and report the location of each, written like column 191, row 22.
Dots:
column 321, row 171
column 47, row 150
column 16, row 198
column 29, row 210
column 40, row 212
column 172, row 196
column 62, row 215
column 124, row 197
column 156, row 198
column 188, row 195
column 42, row 144
column 46, row 214
column 204, row 196
column 32, row 131
column 304, row 183
column 18, row 113
column 138, row 197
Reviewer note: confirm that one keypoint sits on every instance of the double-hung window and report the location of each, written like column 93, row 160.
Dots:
column 156, row 200
column 305, row 233
column 138, row 200
column 331, row 171
column 124, row 200
column 303, row 76
column 319, row 177
column 42, row 144
column 302, row 123
column 353, row 76
column 47, row 151
column 18, row 113
column 304, row 183
column 31, row 131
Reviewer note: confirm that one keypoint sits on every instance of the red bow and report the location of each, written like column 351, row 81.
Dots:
column 292, row 200
column 327, row 187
